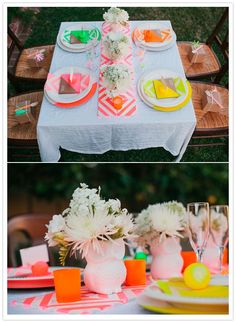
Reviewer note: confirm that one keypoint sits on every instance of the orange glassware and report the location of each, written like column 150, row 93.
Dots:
column 117, row 102
column 136, row 272
column 189, row 257
column 67, row 285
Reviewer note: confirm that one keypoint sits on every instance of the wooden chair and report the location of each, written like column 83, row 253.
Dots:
column 23, row 135
column 212, row 124
column 33, row 228
column 211, row 65
column 22, row 71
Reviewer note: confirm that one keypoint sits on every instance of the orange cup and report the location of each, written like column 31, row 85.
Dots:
column 67, row 285
column 189, row 257
column 117, row 102
column 136, row 272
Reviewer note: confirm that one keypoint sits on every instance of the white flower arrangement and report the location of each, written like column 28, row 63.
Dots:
column 116, row 78
column 116, row 45
column 159, row 221
column 116, row 15
column 88, row 221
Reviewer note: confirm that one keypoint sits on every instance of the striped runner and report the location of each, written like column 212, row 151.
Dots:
column 90, row 303
column 105, row 105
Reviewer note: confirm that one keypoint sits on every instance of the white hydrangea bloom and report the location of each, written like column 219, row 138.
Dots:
column 89, row 220
column 56, row 225
column 116, row 78
column 116, row 15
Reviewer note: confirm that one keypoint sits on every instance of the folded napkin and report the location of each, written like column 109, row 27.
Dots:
column 80, row 36
column 165, row 88
column 156, row 35
column 78, row 83
column 172, row 88
column 178, row 287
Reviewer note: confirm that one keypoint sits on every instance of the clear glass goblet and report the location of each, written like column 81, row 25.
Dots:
column 219, row 229
column 198, row 227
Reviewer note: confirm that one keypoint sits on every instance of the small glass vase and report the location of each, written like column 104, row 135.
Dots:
column 167, row 260
column 105, row 271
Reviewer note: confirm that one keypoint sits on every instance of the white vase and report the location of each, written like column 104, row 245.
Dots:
column 115, row 27
column 105, row 273
column 167, row 260
column 210, row 256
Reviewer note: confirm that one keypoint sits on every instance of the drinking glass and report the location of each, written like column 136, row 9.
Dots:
column 219, row 229
column 198, row 227
column 92, row 54
column 140, row 52
column 67, row 284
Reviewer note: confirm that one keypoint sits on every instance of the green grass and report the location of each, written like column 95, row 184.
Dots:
column 188, row 23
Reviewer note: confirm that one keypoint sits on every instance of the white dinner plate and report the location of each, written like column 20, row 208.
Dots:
column 54, row 102
column 157, row 46
column 67, row 98
column 64, row 36
column 154, row 75
column 158, row 49
column 154, row 292
column 20, row 278
column 71, row 50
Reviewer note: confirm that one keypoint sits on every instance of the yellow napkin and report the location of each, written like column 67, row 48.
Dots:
column 164, row 92
column 179, row 287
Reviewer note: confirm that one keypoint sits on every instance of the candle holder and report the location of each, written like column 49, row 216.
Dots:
column 67, row 285
column 117, row 102
column 136, row 272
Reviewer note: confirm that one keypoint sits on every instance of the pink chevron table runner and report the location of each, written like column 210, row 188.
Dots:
column 105, row 105
column 90, row 303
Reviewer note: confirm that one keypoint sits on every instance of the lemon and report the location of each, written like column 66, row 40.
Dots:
column 197, row 276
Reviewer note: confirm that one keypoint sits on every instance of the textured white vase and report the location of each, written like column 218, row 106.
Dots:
column 167, row 260
column 104, row 274
column 210, row 256
column 115, row 27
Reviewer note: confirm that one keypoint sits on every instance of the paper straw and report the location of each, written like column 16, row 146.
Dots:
column 71, row 75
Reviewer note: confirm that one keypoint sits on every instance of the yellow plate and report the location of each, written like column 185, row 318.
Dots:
column 178, row 106
column 175, row 310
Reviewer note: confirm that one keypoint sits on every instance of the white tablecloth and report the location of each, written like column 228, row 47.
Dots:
column 80, row 130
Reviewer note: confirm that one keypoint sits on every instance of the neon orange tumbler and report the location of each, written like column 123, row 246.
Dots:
column 67, row 285
column 136, row 272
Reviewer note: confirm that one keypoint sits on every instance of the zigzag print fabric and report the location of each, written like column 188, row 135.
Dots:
column 105, row 105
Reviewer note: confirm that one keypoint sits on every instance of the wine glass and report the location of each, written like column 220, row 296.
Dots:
column 198, row 227
column 140, row 52
column 92, row 53
column 219, row 229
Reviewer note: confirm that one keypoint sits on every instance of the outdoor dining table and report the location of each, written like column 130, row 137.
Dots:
column 79, row 129
column 43, row 301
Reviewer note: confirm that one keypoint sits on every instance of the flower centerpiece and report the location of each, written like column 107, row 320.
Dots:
column 159, row 227
column 116, row 17
column 96, row 228
column 116, row 78
column 116, row 45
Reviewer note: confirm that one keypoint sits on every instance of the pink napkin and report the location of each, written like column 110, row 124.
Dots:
column 77, row 84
